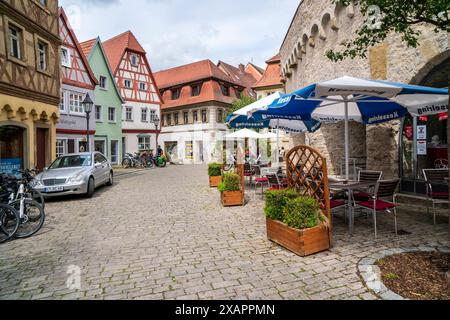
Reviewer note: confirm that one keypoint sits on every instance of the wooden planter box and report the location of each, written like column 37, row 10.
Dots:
column 232, row 198
column 215, row 181
column 301, row 242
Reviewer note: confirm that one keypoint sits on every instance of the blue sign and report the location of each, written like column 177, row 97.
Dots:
column 10, row 165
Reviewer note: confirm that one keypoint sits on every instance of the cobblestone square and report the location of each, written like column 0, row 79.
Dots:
column 162, row 234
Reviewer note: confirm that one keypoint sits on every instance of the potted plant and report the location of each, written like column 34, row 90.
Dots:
column 296, row 223
column 230, row 189
column 215, row 174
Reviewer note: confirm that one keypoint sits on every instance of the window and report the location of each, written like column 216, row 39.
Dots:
column 176, row 93
column 65, row 57
column 15, row 42
column 204, row 116
column 142, row 86
column 60, row 147
column 112, row 114
column 152, row 115
column 128, row 113
column 238, row 93
column 42, row 51
column 220, row 116
column 169, row 120
column 43, row 3
column 144, row 115
column 175, row 118
column 196, row 90
column 75, row 103
column 99, row 159
column 195, row 116
column 144, row 143
column 98, row 113
column 103, row 82
column 127, row 83
column 62, row 102
column 186, row 117
column 134, row 60
column 225, row 90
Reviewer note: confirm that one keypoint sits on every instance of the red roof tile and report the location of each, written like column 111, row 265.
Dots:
column 272, row 75
column 254, row 70
column 188, row 73
column 115, row 47
column 238, row 75
column 86, row 46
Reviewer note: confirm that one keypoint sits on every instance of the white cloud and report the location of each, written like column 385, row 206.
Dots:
column 176, row 32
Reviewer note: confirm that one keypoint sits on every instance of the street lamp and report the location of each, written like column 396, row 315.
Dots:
column 156, row 122
column 88, row 105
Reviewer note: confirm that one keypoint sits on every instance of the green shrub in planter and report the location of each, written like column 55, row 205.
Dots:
column 276, row 200
column 214, row 170
column 230, row 182
column 303, row 213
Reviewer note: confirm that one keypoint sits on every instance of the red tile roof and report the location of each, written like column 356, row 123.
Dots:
column 254, row 70
column 115, row 47
column 188, row 73
column 87, row 46
column 238, row 75
column 272, row 75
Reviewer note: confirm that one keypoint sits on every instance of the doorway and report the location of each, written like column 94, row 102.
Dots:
column 12, row 148
column 42, row 136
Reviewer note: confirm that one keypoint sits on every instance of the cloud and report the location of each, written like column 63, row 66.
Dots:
column 175, row 32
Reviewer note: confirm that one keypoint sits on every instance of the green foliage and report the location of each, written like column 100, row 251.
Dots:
column 386, row 16
column 391, row 276
column 230, row 182
column 214, row 169
column 240, row 103
column 302, row 213
column 276, row 201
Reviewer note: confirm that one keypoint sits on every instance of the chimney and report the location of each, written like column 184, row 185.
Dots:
column 241, row 67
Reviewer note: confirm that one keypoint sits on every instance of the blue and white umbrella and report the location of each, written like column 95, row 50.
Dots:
column 352, row 99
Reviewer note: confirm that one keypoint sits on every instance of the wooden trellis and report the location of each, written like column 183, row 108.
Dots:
column 307, row 173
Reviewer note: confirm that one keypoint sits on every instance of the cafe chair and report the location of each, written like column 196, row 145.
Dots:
column 276, row 183
column 384, row 191
column 437, row 188
column 260, row 180
column 366, row 176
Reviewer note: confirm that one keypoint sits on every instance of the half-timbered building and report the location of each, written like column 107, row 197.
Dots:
column 137, row 86
column 78, row 80
column 29, row 83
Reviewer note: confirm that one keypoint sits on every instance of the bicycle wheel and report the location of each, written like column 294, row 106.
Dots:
column 32, row 220
column 38, row 197
column 9, row 222
column 126, row 163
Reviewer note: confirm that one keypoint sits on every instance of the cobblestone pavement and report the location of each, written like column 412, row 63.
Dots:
column 163, row 234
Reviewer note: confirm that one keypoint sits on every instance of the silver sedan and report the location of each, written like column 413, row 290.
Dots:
column 72, row 174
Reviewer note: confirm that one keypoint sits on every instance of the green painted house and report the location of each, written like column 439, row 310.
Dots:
column 108, row 103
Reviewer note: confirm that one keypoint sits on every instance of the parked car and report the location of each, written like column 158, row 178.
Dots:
column 72, row 174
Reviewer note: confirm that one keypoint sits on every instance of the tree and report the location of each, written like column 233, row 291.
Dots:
column 241, row 103
column 384, row 17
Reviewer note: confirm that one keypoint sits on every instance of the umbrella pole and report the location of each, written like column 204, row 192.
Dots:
column 347, row 147
column 278, row 142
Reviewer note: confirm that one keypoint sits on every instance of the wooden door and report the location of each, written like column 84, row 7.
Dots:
column 41, row 148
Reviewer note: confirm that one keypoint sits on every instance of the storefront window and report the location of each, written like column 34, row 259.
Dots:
column 11, row 149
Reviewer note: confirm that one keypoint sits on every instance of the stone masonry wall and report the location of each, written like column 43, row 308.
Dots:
column 319, row 26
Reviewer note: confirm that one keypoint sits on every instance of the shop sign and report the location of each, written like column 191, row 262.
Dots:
column 422, row 148
column 10, row 165
column 421, row 132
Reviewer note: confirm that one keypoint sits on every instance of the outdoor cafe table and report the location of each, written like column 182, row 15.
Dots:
column 350, row 186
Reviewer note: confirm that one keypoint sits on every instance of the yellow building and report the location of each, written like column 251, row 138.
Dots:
column 29, row 83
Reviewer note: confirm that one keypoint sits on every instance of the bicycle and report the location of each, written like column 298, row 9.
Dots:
column 31, row 214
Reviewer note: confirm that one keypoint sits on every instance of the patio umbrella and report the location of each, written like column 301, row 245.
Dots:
column 366, row 101
column 243, row 134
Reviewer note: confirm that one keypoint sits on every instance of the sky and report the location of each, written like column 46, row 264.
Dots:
column 177, row 32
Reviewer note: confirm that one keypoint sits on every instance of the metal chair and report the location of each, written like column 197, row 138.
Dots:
column 276, row 183
column 260, row 180
column 437, row 188
column 366, row 176
column 385, row 189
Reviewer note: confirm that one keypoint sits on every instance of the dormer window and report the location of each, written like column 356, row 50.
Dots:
column 225, row 90
column 196, row 90
column 238, row 93
column 176, row 93
column 134, row 60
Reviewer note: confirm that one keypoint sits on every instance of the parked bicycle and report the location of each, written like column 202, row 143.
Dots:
column 18, row 193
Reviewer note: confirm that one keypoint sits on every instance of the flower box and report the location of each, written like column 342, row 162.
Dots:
column 232, row 198
column 302, row 242
column 215, row 181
